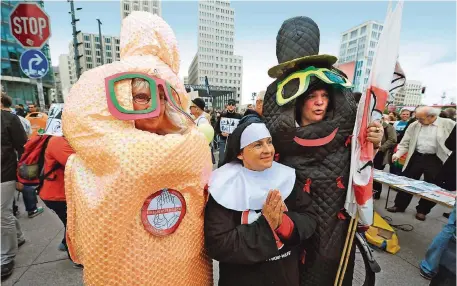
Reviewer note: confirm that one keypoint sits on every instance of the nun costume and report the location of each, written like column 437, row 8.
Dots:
column 255, row 220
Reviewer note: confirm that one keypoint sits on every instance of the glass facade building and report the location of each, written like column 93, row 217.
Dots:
column 14, row 82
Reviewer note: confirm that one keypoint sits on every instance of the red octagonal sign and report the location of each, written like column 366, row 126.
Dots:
column 30, row 25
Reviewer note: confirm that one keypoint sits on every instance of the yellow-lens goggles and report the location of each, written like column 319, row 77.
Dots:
column 326, row 75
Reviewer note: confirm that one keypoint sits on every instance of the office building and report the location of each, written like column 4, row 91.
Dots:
column 14, row 82
column 90, row 52
column 215, row 58
column 152, row 6
column 358, row 45
column 57, row 96
column 64, row 74
column 410, row 94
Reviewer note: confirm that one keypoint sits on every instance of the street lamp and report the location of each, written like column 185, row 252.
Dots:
column 254, row 94
column 75, row 39
column 101, row 42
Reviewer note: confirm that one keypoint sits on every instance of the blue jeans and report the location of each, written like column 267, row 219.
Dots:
column 431, row 262
column 30, row 199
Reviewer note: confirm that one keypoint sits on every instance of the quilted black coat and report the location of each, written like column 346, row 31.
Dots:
column 321, row 170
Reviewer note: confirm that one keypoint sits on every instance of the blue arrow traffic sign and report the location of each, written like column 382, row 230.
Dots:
column 34, row 64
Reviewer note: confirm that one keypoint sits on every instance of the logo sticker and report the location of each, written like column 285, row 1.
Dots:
column 163, row 211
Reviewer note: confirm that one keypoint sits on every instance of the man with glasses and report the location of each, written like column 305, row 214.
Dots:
column 424, row 142
column 230, row 112
column 197, row 110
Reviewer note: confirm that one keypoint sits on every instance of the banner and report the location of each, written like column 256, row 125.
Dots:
column 229, row 124
column 54, row 123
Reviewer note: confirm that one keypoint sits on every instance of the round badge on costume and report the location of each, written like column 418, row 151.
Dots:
column 163, row 211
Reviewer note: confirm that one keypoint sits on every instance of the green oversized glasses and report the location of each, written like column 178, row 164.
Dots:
column 304, row 76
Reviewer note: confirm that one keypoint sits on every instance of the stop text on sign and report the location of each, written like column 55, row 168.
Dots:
column 29, row 25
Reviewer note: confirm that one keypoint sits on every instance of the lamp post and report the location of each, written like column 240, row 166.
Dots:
column 253, row 95
column 100, row 38
column 75, row 37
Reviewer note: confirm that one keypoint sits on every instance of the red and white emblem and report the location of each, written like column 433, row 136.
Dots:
column 163, row 211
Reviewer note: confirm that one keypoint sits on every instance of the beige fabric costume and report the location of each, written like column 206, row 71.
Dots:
column 117, row 167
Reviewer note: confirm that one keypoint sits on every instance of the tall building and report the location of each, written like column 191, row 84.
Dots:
column 14, row 82
column 90, row 52
column 57, row 90
column 410, row 94
column 128, row 6
column 64, row 73
column 358, row 45
column 215, row 58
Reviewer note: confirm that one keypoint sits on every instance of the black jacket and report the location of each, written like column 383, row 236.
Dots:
column 446, row 177
column 248, row 253
column 13, row 141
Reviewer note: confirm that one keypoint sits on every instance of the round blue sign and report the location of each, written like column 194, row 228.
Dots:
column 34, row 64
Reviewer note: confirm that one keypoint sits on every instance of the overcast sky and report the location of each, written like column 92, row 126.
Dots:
column 427, row 49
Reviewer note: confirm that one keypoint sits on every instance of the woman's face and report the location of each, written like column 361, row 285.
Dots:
column 259, row 155
column 141, row 101
column 314, row 107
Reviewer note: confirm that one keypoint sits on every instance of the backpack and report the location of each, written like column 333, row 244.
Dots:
column 31, row 164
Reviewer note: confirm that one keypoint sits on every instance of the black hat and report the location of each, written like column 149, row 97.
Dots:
column 231, row 101
column 199, row 102
column 297, row 43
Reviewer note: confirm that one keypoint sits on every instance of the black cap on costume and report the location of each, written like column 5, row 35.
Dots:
column 231, row 101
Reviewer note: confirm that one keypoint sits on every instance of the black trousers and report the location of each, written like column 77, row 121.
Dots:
column 427, row 164
column 60, row 208
column 377, row 164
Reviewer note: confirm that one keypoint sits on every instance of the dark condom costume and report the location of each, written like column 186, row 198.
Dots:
column 318, row 152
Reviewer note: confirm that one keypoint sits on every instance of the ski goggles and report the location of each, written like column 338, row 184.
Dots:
column 152, row 104
column 304, row 76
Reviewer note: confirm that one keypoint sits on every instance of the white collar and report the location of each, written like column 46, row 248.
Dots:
column 237, row 188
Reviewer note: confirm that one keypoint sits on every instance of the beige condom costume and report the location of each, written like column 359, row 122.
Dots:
column 135, row 199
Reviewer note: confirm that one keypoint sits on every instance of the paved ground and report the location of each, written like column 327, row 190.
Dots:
column 40, row 263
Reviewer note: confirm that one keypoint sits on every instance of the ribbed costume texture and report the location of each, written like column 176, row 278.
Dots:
column 117, row 167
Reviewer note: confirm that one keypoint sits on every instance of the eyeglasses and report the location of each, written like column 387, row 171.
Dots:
column 304, row 76
column 231, row 104
column 118, row 111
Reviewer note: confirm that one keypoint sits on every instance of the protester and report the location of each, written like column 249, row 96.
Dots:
column 430, row 265
column 20, row 111
column 384, row 155
column 53, row 190
column 230, row 112
column 446, row 273
column 259, row 102
column 424, row 142
column 135, row 186
column 196, row 109
column 446, row 177
column 450, row 112
column 28, row 192
column 254, row 218
column 6, row 105
column 32, row 108
column 394, row 116
column 311, row 130
column 400, row 125
column 13, row 141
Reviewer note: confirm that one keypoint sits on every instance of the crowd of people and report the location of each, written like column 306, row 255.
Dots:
column 132, row 183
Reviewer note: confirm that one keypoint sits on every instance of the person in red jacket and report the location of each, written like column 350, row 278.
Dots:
column 53, row 190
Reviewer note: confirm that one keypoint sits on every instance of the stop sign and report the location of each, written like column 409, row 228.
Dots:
column 29, row 24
